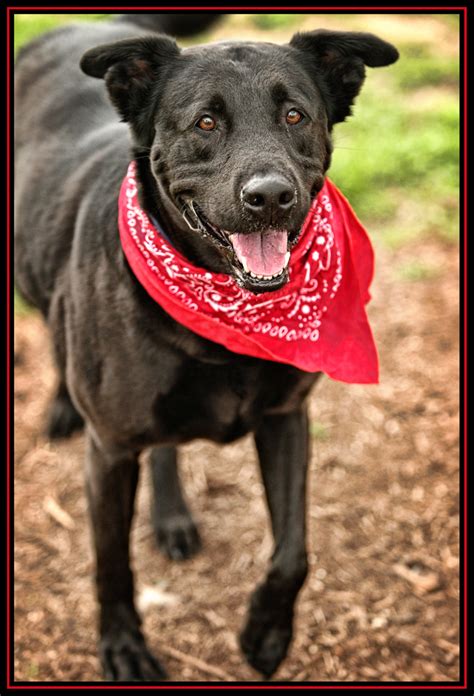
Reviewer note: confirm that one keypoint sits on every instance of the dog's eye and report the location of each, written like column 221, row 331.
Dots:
column 293, row 117
column 206, row 123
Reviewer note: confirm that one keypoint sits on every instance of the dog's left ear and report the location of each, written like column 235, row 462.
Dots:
column 337, row 60
column 130, row 68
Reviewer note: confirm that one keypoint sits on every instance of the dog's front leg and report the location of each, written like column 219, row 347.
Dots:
column 175, row 530
column 111, row 480
column 282, row 445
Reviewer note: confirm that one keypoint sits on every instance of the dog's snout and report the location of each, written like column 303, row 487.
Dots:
column 268, row 196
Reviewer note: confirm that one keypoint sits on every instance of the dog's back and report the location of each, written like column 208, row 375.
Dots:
column 63, row 124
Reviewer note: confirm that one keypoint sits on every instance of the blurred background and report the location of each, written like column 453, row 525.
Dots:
column 382, row 599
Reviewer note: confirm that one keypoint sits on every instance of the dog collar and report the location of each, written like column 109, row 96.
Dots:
column 317, row 322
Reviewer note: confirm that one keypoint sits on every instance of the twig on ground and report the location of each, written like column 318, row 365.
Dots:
column 57, row 513
column 196, row 662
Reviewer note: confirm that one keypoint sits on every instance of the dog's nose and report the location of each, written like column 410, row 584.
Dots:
column 268, row 196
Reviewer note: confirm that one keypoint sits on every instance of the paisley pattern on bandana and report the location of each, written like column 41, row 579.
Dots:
column 316, row 322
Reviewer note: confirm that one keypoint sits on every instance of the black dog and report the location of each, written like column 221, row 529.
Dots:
column 239, row 134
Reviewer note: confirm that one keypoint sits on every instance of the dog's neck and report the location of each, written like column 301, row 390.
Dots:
column 197, row 250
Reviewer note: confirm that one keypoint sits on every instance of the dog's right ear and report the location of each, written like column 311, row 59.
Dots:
column 130, row 68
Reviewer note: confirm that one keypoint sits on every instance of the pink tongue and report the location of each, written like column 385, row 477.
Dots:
column 263, row 253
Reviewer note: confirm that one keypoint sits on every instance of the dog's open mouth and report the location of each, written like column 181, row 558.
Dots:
column 259, row 259
column 263, row 257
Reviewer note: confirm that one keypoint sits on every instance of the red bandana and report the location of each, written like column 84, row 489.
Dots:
column 316, row 322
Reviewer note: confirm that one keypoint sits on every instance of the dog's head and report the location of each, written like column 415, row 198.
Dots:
column 238, row 135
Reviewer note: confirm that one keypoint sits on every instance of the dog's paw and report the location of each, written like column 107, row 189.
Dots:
column 125, row 657
column 63, row 419
column 265, row 641
column 177, row 536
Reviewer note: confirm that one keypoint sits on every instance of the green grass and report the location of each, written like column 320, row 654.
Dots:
column 424, row 70
column 318, row 430
column 452, row 20
column 267, row 22
column 21, row 308
column 397, row 160
column 32, row 671
column 28, row 26
column 417, row 270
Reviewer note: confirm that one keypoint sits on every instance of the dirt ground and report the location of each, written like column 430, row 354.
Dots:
column 382, row 598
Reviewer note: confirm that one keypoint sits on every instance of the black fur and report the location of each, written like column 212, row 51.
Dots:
column 134, row 375
column 182, row 24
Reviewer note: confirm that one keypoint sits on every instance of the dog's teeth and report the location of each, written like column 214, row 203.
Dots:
column 264, row 277
column 287, row 258
column 245, row 266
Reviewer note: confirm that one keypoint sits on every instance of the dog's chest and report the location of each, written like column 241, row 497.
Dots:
column 224, row 402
